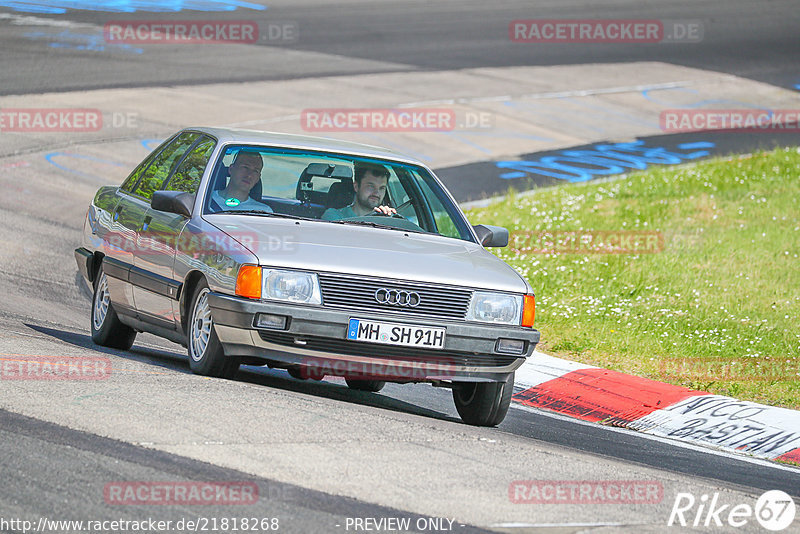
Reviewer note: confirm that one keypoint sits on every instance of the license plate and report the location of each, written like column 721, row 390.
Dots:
column 396, row 334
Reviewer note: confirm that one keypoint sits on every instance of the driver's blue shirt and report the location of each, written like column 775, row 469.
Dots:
column 333, row 214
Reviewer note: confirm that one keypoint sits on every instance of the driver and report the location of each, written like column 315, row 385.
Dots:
column 370, row 184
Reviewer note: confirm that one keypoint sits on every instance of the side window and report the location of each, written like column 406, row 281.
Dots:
column 188, row 174
column 401, row 200
column 159, row 169
column 444, row 223
column 131, row 180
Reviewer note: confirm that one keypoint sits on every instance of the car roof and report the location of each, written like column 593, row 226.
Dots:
column 285, row 140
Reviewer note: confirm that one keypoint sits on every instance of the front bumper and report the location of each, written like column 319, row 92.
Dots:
column 315, row 339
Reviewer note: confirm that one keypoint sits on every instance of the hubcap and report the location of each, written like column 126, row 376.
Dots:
column 100, row 308
column 201, row 326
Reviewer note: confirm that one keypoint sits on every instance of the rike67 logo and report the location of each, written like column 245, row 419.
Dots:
column 774, row 510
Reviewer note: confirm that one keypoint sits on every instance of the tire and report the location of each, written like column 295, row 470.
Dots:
column 206, row 356
column 373, row 386
column 483, row 403
column 107, row 329
column 296, row 373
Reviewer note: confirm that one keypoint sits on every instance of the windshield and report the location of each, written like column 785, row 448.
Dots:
column 335, row 188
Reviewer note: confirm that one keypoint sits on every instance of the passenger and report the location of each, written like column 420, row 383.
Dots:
column 370, row 184
column 245, row 173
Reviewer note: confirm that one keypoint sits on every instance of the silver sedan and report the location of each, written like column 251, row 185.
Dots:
column 312, row 255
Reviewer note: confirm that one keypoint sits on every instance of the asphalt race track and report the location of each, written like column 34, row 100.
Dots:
column 322, row 456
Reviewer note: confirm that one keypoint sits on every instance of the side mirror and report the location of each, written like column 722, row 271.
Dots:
column 173, row 202
column 491, row 236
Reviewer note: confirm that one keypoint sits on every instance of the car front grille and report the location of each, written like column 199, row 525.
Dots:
column 375, row 350
column 353, row 292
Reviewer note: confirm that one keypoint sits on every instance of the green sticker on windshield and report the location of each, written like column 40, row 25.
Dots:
column 232, row 202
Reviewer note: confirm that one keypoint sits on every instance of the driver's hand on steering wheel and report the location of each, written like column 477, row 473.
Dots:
column 385, row 210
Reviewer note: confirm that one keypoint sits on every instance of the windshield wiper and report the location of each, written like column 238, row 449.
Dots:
column 269, row 214
column 379, row 225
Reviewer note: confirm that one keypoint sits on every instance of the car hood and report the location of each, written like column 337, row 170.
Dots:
column 352, row 249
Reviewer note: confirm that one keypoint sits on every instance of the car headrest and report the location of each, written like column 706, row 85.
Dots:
column 340, row 194
column 221, row 181
column 305, row 189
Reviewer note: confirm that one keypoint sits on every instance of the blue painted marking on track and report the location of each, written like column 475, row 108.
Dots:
column 52, row 155
column 699, row 153
column 601, row 160
column 699, row 144
column 151, row 144
column 81, row 41
column 511, row 175
column 128, row 6
column 797, row 86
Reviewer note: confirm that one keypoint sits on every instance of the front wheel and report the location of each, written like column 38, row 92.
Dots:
column 107, row 329
column 483, row 403
column 206, row 356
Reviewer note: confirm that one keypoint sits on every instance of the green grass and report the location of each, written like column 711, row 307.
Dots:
column 717, row 309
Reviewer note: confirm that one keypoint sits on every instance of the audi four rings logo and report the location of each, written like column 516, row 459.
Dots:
column 397, row 297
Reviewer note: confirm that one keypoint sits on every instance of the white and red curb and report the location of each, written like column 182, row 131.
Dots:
column 613, row 398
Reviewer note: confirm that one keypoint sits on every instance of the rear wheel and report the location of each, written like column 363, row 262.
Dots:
column 483, row 403
column 107, row 329
column 365, row 385
column 206, row 356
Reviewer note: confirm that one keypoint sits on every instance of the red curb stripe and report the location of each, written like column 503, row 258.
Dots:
column 604, row 395
column 791, row 456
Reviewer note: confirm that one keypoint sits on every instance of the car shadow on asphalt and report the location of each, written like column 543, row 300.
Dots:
column 279, row 379
column 157, row 356
column 262, row 376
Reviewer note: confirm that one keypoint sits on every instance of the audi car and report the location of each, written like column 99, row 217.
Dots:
column 317, row 256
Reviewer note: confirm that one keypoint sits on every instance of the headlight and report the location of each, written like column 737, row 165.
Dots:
column 500, row 308
column 291, row 286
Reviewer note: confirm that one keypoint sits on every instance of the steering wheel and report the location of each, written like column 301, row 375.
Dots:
column 381, row 214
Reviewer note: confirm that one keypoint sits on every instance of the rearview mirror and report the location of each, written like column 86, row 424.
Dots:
column 328, row 170
column 177, row 202
column 491, row 236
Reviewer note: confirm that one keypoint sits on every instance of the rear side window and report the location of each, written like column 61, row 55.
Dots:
column 188, row 174
column 131, row 180
column 159, row 169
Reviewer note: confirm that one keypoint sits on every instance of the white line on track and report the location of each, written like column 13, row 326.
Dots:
column 556, row 94
column 28, row 20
